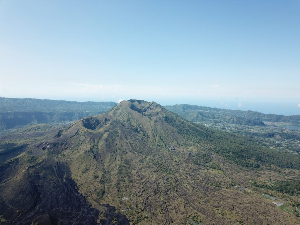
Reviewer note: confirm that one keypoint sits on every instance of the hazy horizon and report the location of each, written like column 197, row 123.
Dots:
column 269, row 108
column 224, row 54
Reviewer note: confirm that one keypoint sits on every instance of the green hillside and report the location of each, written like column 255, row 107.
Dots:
column 196, row 113
column 16, row 112
column 150, row 164
column 45, row 105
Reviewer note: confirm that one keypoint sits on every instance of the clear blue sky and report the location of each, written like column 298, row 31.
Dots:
column 234, row 54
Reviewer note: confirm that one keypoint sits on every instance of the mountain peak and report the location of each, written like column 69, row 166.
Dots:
column 140, row 106
column 149, row 163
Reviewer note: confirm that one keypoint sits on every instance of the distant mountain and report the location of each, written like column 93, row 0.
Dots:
column 206, row 114
column 16, row 112
column 142, row 164
column 45, row 105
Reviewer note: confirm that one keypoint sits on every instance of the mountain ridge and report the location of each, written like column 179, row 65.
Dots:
column 16, row 113
column 150, row 164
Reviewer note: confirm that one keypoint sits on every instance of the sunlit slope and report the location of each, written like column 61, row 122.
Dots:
column 152, row 165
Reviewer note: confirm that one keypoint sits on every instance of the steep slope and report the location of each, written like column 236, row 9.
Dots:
column 152, row 165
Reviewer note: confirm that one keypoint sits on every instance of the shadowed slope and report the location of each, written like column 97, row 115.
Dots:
column 154, row 167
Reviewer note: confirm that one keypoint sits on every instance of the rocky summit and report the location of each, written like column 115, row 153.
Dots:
column 137, row 164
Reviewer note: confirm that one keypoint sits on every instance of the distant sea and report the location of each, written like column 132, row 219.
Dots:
column 279, row 108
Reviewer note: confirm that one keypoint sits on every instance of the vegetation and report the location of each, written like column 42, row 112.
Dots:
column 143, row 164
column 291, row 187
column 16, row 113
column 206, row 114
column 45, row 105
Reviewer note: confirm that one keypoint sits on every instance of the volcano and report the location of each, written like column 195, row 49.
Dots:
column 136, row 164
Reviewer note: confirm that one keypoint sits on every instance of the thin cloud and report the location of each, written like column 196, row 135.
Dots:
column 216, row 85
column 299, row 105
column 240, row 104
column 99, row 87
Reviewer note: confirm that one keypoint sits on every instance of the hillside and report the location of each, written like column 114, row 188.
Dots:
column 271, row 131
column 207, row 114
column 45, row 105
column 17, row 112
column 153, row 166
